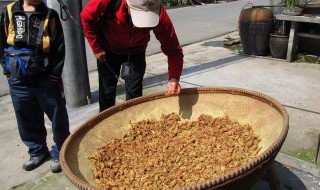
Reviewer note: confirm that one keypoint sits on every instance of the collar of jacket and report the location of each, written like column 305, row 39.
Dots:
column 40, row 8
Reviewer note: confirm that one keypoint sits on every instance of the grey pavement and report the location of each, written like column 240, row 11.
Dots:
column 207, row 63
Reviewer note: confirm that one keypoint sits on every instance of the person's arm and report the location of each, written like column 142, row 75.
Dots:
column 91, row 18
column 57, row 46
column 170, row 46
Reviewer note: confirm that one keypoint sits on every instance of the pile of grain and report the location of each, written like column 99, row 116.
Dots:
column 170, row 153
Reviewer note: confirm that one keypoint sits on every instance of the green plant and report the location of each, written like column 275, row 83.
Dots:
column 307, row 58
column 290, row 3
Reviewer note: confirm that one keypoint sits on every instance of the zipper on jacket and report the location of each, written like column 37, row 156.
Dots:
column 28, row 24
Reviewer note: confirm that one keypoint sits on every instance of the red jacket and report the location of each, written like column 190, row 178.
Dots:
column 116, row 34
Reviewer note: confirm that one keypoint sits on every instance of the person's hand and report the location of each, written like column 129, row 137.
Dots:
column 101, row 56
column 174, row 86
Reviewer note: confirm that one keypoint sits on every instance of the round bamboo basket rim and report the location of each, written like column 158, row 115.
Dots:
column 227, row 178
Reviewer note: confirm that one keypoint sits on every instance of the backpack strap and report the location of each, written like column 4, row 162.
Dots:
column 112, row 8
column 40, row 34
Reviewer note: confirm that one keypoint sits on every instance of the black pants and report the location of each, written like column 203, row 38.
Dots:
column 108, row 82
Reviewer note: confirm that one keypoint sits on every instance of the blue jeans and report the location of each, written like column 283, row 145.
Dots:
column 32, row 97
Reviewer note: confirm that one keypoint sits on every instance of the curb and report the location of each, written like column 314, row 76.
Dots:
column 298, row 164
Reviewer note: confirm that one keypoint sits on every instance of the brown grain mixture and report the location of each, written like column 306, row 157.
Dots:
column 170, row 153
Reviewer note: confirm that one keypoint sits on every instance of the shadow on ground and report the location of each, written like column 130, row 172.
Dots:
column 197, row 69
column 282, row 177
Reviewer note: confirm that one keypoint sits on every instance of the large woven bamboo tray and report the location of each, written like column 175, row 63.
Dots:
column 267, row 116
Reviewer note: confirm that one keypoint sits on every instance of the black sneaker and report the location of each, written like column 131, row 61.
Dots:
column 55, row 166
column 35, row 161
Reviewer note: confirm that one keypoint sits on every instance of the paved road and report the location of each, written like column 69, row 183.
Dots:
column 192, row 24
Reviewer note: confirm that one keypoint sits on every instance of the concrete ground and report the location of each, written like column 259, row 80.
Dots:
column 207, row 63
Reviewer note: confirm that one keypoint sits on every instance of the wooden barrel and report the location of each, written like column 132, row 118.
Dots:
column 249, row 12
column 278, row 46
column 255, row 26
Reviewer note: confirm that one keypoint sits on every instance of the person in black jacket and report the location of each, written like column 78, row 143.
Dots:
column 33, row 53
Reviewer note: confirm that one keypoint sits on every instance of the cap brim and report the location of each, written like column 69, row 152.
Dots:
column 145, row 19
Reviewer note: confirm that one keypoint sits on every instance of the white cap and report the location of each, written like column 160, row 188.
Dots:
column 144, row 13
